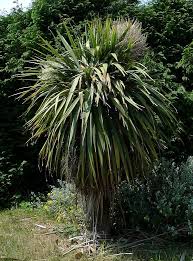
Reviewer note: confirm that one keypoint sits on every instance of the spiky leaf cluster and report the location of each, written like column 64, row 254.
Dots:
column 93, row 96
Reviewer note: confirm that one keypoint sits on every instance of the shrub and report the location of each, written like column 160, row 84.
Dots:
column 33, row 201
column 187, row 66
column 161, row 203
column 64, row 204
column 10, row 176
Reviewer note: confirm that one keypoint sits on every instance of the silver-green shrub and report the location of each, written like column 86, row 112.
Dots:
column 66, row 206
column 163, row 202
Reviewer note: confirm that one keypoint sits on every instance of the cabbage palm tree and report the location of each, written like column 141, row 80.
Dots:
column 95, row 100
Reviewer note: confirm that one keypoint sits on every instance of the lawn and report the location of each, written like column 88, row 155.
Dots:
column 31, row 235
column 27, row 234
column 23, row 236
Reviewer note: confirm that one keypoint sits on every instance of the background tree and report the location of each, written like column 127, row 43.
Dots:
column 168, row 25
column 17, row 38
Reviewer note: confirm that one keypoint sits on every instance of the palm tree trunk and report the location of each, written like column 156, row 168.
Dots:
column 103, row 221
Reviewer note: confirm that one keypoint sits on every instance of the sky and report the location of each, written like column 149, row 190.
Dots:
column 9, row 4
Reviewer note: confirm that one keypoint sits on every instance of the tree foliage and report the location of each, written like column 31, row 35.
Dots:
column 186, row 65
column 93, row 96
column 169, row 27
column 48, row 14
column 168, row 24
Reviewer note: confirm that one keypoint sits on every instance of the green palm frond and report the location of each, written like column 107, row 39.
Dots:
column 93, row 95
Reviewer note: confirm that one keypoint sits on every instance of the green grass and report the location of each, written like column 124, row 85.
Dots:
column 22, row 239
column 27, row 234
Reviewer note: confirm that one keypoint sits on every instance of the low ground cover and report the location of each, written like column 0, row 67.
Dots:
column 30, row 234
